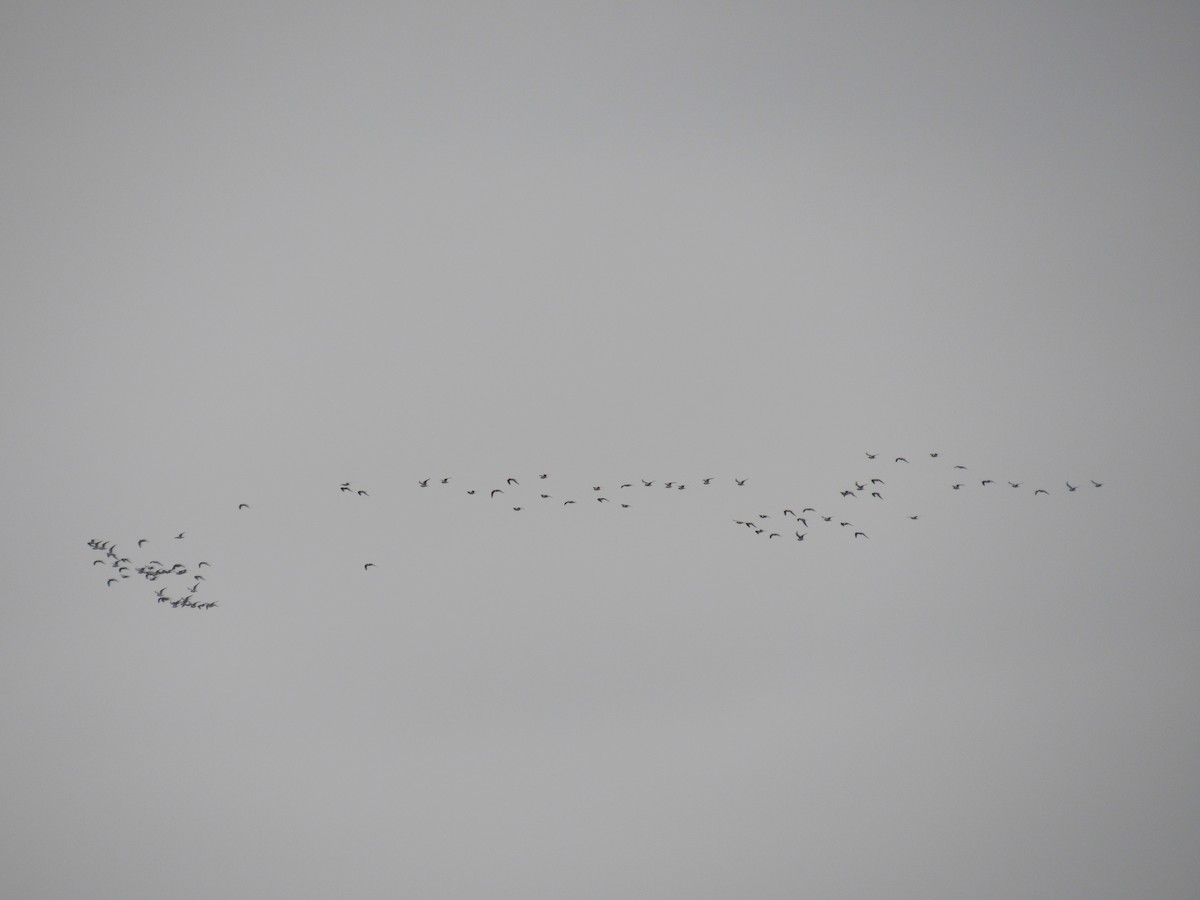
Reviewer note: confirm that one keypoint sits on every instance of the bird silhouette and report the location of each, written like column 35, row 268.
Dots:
column 914, row 518
column 800, row 536
column 363, row 494
column 445, row 481
column 142, row 541
column 872, row 455
column 1071, row 487
column 203, row 563
column 859, row 534
column 112, row 581
column 513, row 481
column 543, row 476
column 901, row 459
column 1041, row 491
column 247, row 505
column 1015, row 484
column 646, row 483
column 568, row 502
column 877, row 495
column 179, row 537
column 1098, row 483
column 956, row 486
column 497, row 491
column 740, row 482
column 368, row 566
column 987, row 481
column 424, row 483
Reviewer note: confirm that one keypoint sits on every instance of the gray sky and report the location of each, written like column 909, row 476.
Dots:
column 253, row 251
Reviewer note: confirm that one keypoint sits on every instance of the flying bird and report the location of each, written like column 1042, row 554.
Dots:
column 99, row 562
column 859, row 534
column 1072, row 488
column 799, row 536
column 470, row 492
column 445, row 481
column 878, row 481
column 847, row 493
column 368, row 566
column 741, row 482
column 708, row 481
column 960, row 467
column 518, row 508
column 901, row 459
column 1041, row 491
column 601, row 499
column 497, row 491
column 543, row 476
column 179, row 537
column 112, row 581
column 914, row 518
column 803, row 522
column 424, row 483
column 142, row 541
column 934, row 455
column 567, row 502
column 987, row 481
column 647, row 483
column 956, row 486
column 872, row 455
column 363, row 494
column 202, row 563
column 877, row 495
column 513, row 481
column 1015, row 484
column 247, row 506
column 1098, row 483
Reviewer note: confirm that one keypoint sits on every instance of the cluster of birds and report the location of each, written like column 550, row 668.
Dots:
column 872, row 486
column 154, row 570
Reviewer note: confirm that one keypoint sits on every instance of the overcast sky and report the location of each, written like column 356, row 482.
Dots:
column 255, row 250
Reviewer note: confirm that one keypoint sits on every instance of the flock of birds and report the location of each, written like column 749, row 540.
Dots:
column 871, row 487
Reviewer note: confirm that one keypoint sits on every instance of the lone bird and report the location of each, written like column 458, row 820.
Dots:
column 987, row 481
column 956, row 486
column 872, row 455
column 859, row 534
column 901, row 459
column 568, row 502
column 247, row 506
column 445, row 481
column 179, row 537
column 741, row 482
column 142, row 541
column 1098, row 483
column 424, row 483
column 543, row 476
column 368, row 566
column 914, row 518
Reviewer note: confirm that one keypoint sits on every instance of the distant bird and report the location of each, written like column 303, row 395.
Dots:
column 595, row 488
column 247, row 505
column 960, row 467
column 827, row 518
column 445, row 481
column 788, row 511
column 740, row 482
column 368, row 566
column 681, row 487
column 518, row 508
column 669, row 484
column 800, row 536
column 803, row 522
column 934, row 455
column 363, row 494
column 196, row 578
column 877, row 495
column 847, row 493
column 764, row 515
column 1015, row 484
column 601, row 499
column 1098, row 483
column 1040, row 491
column 844, row 524
column 568, row 502
column 901, row 459
column 544, row 496
column 872, row 455
column 346, row 488
column 497, row 491
column 878, row 481
column 543, row 476
column 179, row 537
column 198, row 565
column 914, row 518
column 1071, row 487
column 708, row 481
column 424, row 483
column 987, row 481
column 470, row 492
column 956, row 486
column 112, row 581
column 99, row 562
column 859, row 487
column 646, row 483
column 513, row 481
column 345, row 484
column 142, row 541
column 626, row 485
column 859, row 534
column 624, row 506
column 807, row 509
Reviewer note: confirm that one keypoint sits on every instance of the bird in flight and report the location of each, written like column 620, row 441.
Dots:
column 543, row 476
column 203, row 563
column 847, row 493
column 445, row 481
column 368, row 566
column 244, row 506
column 872, row 455
column 901, row 459
column 859, row 534
column 497, row 491
column 568, row 502
column 363, row 494
column 1071, row 487
column 960, row 467
column 708, row 481
column 987, row 481
column 424, row 483
column 1041, row 491
column 1098, row 483
column 646, row 483
column 179, row 537
column 914, row 518
column 934, row 455
column 513, row 481
column 112, row 581
column 142, row 541
column 1015, row 484
column 877, row 495
column 518, row 508
column 956, row 486
column 800, row 536
column 741, row 482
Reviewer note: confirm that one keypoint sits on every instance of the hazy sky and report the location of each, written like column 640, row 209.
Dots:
column 254, row 250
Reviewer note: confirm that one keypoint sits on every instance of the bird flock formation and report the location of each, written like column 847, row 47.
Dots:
column 155, row 570
column 536, row 494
